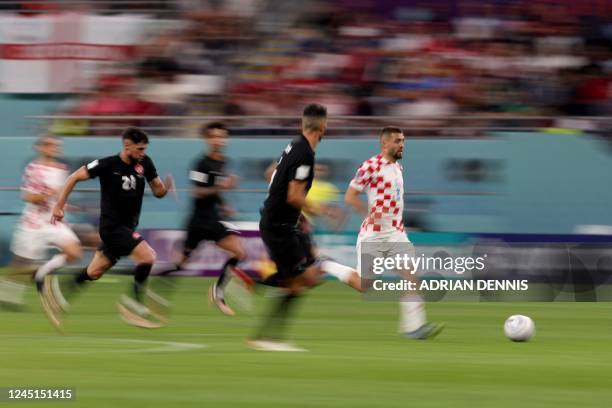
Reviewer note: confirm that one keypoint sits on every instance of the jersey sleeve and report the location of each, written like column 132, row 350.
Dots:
column 98, row 167
column 363, row 176
column 200, row 175
column 301, row 167
column 150, row 171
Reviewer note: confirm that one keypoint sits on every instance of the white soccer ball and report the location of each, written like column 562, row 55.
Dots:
column 519, row 328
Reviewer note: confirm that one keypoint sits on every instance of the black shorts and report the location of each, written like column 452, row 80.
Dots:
column 118, row 241
column 209, row 230
column 290, row 248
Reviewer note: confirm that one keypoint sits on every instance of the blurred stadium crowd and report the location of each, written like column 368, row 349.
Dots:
column 415, row 59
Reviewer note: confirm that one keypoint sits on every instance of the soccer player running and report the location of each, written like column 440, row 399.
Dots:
column 122, row 182
column 209, row 181
column 35, row 234
column 381, row 178
column 289, row 246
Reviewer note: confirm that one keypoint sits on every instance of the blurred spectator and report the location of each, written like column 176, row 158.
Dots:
column 371, row 58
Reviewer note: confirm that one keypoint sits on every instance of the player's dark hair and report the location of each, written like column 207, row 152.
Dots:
column 313, row 117
column 136, row 135
column 205, row 131
column 388, row 130
column 314, row 110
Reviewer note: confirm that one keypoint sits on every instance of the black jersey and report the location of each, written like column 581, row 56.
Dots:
column 296, row 163
column 122, row 187
column 207, row 172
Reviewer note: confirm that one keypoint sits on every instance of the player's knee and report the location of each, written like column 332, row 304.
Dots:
column 295, row 287
column 73, row 252
column 233, row 245
column 95, row 274
column 240, row 254
column 149, row 258
column 311, row 276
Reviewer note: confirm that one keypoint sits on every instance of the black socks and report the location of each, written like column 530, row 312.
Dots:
column 82, row 277
column 274, row 324
column 141, row 273
column 225, row 276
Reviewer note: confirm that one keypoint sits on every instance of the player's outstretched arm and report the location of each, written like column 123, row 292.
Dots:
column 161, row 188
column 228, row 183
column 201, row 192
column 58, row 211
column 351, row 197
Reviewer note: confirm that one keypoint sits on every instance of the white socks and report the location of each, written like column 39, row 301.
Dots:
column 412, row 307
column 412, row 313
column 342, row 272
column 52, row 264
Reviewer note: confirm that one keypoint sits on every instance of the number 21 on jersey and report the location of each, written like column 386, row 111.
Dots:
column 129, row 183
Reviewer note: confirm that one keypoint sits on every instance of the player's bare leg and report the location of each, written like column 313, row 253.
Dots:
column 13, row 283
column 233, row 245
column 52, row 297
column 145, row 257
column 96, row 268
column 132, row 308
column 162, row 286
column 270, row 334
column 56, row 301
column 70, row 252
column 343, row 273
column 413, row 320
column 268, row 337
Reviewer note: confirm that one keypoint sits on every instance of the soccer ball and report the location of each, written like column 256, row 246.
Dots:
column 519, row 328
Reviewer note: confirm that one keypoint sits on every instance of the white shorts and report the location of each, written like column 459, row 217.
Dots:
column 34, row 243
column 391, row 237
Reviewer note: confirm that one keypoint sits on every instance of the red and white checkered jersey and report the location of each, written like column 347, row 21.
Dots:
column 39, row 178
column 383, row 182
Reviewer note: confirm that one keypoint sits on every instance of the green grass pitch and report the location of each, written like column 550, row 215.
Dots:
column 355, row 358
